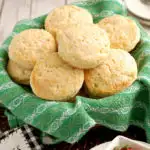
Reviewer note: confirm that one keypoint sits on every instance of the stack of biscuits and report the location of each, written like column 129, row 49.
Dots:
column 72, row 51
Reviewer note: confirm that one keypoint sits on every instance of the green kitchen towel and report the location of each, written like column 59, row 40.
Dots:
column 70, row 121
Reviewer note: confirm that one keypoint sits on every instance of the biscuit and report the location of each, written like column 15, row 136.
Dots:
column 122, row 31
column 83, row 46
column 65, row 15
column 18, row 74
column 30, row 45
column 118, row 72
column 53, row 79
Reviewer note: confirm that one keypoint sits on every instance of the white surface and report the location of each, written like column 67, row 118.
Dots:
column 40, row 7
column 12, row 11
column 122, row 141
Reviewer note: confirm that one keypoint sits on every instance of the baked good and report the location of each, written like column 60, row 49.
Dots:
column 118, row 72
column 18, row 73
column 122, row 31
column 30, row 45
column 65, row 15
column 53, row 79
column 83, row 46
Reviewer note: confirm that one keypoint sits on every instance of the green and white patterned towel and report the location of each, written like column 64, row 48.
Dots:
column 70, row 121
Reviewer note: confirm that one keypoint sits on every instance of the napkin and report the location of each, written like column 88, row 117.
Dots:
column 19, row 139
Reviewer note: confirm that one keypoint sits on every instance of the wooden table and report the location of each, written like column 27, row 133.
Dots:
column 12, row 11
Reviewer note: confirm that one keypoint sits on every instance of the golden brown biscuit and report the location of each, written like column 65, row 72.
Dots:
column 65, row 15
column 53, row 79
column 123, row 32
column 30, row 45
column 83, row 46
column 118, row 72
column 18, row 74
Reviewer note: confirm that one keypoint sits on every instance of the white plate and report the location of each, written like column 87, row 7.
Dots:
column 138, row 8
column 122, row 141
